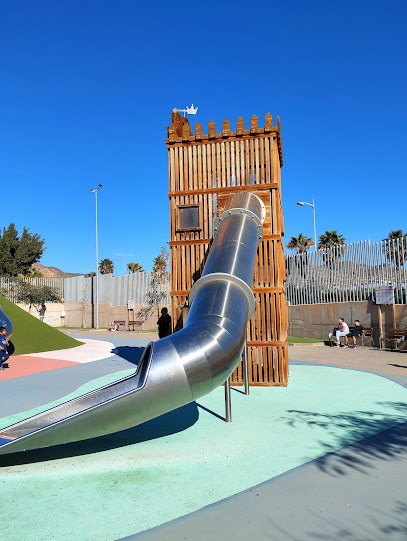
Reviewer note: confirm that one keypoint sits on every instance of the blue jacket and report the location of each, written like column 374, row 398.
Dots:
column 3, row 352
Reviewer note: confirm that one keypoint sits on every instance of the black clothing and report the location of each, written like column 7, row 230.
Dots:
column 357, row 330
column 164, row 325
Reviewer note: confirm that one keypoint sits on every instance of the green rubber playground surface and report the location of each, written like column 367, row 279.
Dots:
column 122, row 484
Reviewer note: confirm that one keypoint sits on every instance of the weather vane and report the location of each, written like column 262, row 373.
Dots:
column 190, row 110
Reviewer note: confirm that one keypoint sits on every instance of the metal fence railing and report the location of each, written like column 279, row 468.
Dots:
column 350, row 272
column 117, row 290
column 9, row 286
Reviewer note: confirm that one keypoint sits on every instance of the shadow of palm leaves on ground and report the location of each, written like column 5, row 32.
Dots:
column 389, row 524
column 366, row 436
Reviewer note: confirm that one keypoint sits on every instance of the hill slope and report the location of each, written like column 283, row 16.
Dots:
column 30, row 335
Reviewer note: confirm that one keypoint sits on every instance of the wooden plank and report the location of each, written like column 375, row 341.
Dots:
column 243, row 173
column 267, row 175
column 233, row 137
column 190, row 177
column 263, row 178
column 223, row 178
column 261, row 265
column 232, row 164
column 218, row 167
column 257, row 162
column 226, row 189
column 237, row 151
column 187, row 242
column 228, row 179
column 247, row 162
column 251, row 160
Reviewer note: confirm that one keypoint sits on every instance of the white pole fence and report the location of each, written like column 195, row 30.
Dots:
column 350, row 272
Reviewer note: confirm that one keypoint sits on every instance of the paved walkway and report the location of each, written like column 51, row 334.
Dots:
column 369, row 359
column 324, row 458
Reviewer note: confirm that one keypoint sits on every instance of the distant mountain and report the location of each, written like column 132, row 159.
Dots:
column 52, row 272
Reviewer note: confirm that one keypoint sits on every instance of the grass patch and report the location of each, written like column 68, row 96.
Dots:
column 299, row 340
column 30, row 335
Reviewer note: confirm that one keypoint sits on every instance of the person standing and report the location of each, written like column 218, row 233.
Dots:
column 343, row 330
column 164, row 324
column 41, row 311
column 3, row 347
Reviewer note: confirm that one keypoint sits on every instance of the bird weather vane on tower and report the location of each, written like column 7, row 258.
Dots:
column 190, row 110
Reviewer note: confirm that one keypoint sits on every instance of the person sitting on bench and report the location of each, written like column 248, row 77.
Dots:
column 356, row 332
column 343, row 330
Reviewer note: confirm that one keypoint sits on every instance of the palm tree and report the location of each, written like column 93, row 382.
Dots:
column 330, row 239
column 301, row 243
column 135, row 267
column 327, row 242
column 106, row 266
column 396, row 251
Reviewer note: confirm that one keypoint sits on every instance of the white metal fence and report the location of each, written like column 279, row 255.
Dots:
column 9, row 287
column 351, row 272
column 140, row 287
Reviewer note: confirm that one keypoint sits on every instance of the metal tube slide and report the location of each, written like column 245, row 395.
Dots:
column 180, row 368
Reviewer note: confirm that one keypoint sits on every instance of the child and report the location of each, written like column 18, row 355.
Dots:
column 3, row 347
column 357, row 331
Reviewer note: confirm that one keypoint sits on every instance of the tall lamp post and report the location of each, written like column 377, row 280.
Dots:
column 95, row 191
column 302, row 203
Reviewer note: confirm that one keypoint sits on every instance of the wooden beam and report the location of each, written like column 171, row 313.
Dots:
column 227, row 189
column 189, row 242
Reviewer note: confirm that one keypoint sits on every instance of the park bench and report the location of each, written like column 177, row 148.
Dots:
column 393, row 335
column 367, row 332
column 117, row 324
column 135, row 324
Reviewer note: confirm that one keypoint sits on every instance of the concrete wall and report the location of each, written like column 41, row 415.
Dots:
column 317, row 320
column 78, row 314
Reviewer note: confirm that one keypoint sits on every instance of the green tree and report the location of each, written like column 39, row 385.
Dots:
column 160, row 274
column 300, row 243
column 330, row 239
column 106, row 266
column 28, row 293
column 135, row 267
column 18, row 253
column 160, row 266
column 396, row 252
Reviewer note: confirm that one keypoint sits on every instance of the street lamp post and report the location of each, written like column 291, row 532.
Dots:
column 95, row 191
column 302, row 203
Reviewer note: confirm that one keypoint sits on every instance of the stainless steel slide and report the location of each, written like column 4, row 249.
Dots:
column 178, row 369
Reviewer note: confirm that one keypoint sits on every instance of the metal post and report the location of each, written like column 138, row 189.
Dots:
column 97, row 262
column 228, row 402
column 245, row 369
column 95, row 191
column 315, row 229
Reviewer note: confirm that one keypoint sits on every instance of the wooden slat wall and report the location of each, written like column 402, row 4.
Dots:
column 205, row 170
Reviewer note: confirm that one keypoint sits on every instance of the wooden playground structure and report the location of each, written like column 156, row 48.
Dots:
column 204, row 170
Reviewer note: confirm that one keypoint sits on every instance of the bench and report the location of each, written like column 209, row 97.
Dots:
column 135, row 324
column 393, row 335
column 116, row 325
column 367, row 332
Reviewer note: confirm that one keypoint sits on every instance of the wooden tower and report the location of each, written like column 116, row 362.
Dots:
column 204, row 169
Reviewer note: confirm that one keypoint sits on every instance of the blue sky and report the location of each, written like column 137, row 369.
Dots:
column 87, row 89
